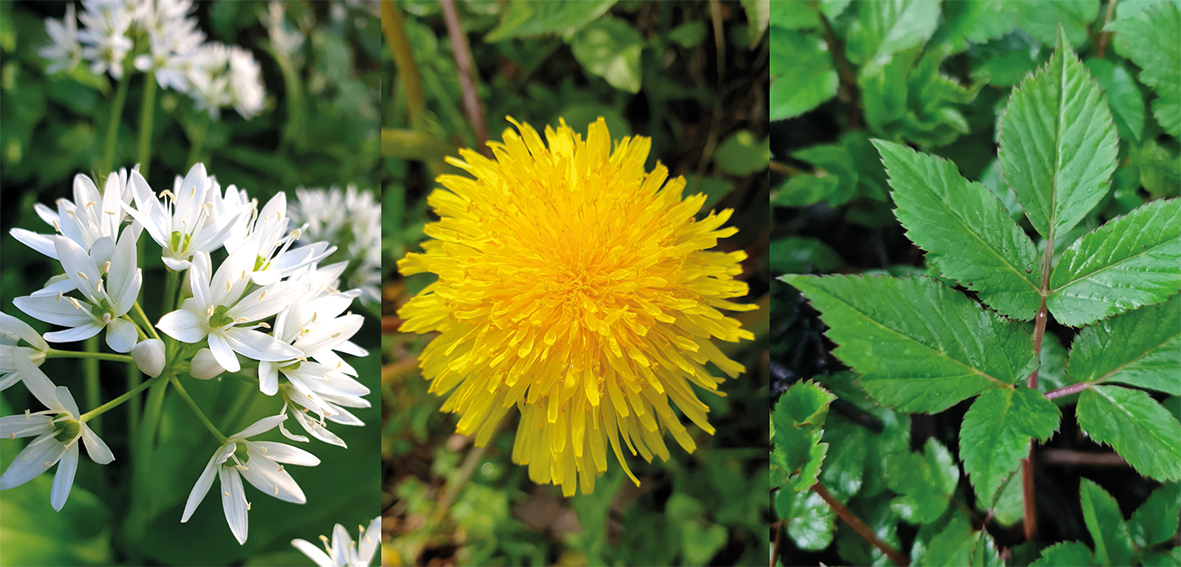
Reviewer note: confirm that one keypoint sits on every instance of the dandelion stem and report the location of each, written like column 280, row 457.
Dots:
column 147, row 113
column 113, row 125
column 197, row 410
column 117, row 401
column 55, row 353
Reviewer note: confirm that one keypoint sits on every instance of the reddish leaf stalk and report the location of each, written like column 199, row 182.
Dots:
column 1067, row 390
column 467, row 76
column 858, row 526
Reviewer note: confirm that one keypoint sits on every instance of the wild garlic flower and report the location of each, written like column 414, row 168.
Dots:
column 284, row 39
column 105, row 300
column 276, row 259
column 89, row 218
column 106, row 24
column 209, row 85
column 57, row 437
column 247, row 94
column 579, row 288
column 343, row 551
column 186, row 223
column 349, row 216
column 328, row 407
column 261, row 463
column 173, row 39
column 12, row 331
column 65, row 52
column 218, row 312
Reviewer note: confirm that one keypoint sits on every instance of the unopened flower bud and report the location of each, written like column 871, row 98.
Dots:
column 149, row 356
column 204, row 366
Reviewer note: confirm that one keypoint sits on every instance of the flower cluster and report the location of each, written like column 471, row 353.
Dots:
column 265, row 306
column 350, row 216
column 343, row 551
column 161, row 38
column 580, row 289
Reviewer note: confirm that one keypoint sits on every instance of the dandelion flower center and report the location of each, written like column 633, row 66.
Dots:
column 578, row 288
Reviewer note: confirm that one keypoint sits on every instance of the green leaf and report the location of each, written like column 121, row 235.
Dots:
column 799, row 415
column 844, row 465
column 871, row 174
column 610, row 48
column 810, row 471
column 794, row 15
column 884, row 94
column 973, row 21
column 996, row 432
column 688, row 34
column 714, row 189
column 887, row 27
column 966, row 231
column 1066, row 554
column 809, row 518
column 833, row 161
column 562, row 17
column 1113, row 545
column 807, row 189
column 1124, row 97
column 1051, row 375
column 758, row 14
column 1129, row 262
column 1142, row 38
column 802, row 255
column 802, row 76
column 952, row 546
column 919, row 345
column 1156, row 520
column 1136, row 426
column 925, row 482
column 743, row 154
column 1058, row 143
column 1162, row 559
column 33, row 533
column 878, row 516
column 1010, row 503
column 1159, row 165
column 1141, row 348
column 1042, row 19
column 984, row 552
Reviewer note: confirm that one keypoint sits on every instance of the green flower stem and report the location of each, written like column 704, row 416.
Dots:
column 197, row 140
column 96, row 356
column 147, row 323
column 170, row 286
column 147, row 113
column 197, row 410
column 90, row 375
column 113, row 125
column 117, row 401
column 247, row 388
column 142, row 449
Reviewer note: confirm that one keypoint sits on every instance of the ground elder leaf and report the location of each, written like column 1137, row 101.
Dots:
column 1156, row 520
column 1058, row 143
column 1113, row 545
column 996, row 432
column 1136, row 426
column 1145, row 39
column 966, row 231
column 1141, row 348
column 1066, row 554
column 925, row 481
column 1129, row 262
column 919, row 345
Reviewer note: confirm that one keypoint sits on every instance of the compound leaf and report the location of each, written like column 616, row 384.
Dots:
column 919, row 345
column 1066, row 554
column 952, row 546
column 1136, row 426
column 1143, row 39
column 965, row 229
column 1156, row 520
column 1129, row 262
column 801, row 71
column 996, row 433
column 1058, row 144
column 1113, row 544
column 885, row 28
column 925, row 481
column 1141, row 348
column 799, row 415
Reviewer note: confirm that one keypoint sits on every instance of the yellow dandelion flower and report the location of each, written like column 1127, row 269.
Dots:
column 579, row 289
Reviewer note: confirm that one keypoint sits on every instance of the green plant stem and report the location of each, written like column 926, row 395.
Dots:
column 1105, row 36
column 407, row 69
column 468, row 80
column 113, row 125
column 55, row 353
column 90, row 375
column 293, row 131
column 1068, row 390
column 147, row 323
column 117, row 401
column 858, row 526
column 142, row 448
column 234, row 414
column 845, row 72
column 170, row 285
column 197, row 141
column 147, row 113
column 197, row 409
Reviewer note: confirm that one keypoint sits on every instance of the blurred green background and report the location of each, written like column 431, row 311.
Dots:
column 693, row 77
column 319, row 128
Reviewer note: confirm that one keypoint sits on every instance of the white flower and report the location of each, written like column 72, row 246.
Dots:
column 328, row 406
column 247, row 94
column 57, row 437
column 149, row 356
column 350, row 216
column 204, row 366
column 315, row 329
column 217, row 308
column 187, row 224
column 173, row 38
column 106, row 23
column 284, row 39
column 259, row 462
column 343, row 552
column 209, row 83
column 12, row 330
column 65, row 52
column 89, row 218
column 104, row 305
